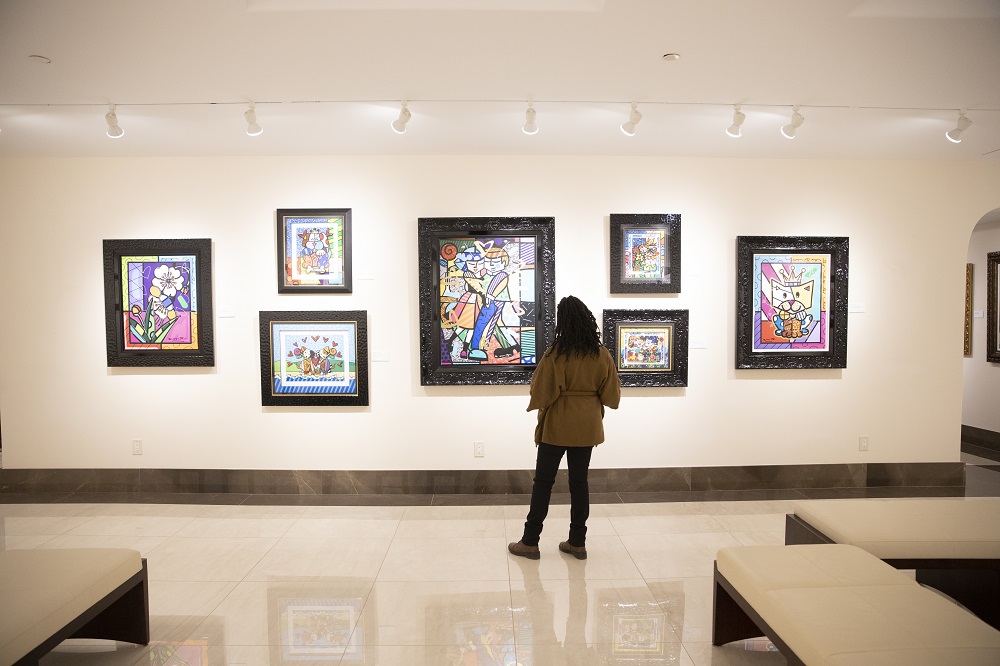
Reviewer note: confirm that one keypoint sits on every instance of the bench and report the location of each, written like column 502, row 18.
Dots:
column 839, row 605
column 953, row 544
column 49, row 595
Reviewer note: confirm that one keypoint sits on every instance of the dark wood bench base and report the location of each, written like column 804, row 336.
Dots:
column 123, row 615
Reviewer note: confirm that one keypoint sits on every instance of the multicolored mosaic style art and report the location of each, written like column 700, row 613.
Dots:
column 321, row 629
column 314, row 251
column 486, row 289
column 790, row 302
column 314, row 358
column 646, row 255
column 160, row 301
column 644, row 348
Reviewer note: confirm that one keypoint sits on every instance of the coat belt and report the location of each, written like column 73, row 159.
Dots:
column 594, row 393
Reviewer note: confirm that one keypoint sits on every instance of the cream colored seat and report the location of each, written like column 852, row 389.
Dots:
column 837, row 604
column 48, row 595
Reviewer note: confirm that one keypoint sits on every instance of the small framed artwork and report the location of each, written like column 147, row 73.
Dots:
column 645, row 254
column 314, row 250
column 967, row 336
column 791, row 302
column 650, row 347
column 487, row 298
column 314, row 358
column 158, row 302
column 993, row 307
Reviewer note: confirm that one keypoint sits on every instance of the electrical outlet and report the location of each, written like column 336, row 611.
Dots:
column 862, row 443
column 478, row 449
column 137, row 447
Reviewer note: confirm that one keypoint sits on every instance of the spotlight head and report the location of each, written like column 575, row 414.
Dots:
column 955, row 135
column 530, row 124
column 399, row 124
column 628, row 127
column 253, row 129
column 738, row 118
column 788, row 131
column 111, row 118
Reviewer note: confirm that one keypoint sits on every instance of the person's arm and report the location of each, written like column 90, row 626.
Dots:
column 544, row 383
column 611, row 389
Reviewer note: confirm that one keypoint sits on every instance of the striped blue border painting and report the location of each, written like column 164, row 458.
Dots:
column 314, row 358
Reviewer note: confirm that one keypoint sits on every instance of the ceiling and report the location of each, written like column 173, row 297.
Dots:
column 875, row 79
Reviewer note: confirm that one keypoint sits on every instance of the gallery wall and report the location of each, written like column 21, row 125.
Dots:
column 981, row 380
column 909, row 225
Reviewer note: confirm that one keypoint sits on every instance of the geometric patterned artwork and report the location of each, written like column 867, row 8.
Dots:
column 792, row 302
column 483, row 294
column 314, row 250
column 158, row 302
column 645, row 253
column 314, row 358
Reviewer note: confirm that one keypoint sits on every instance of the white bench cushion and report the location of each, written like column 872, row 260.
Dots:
column 43, row 590
column 837, row 604
column 959, row 528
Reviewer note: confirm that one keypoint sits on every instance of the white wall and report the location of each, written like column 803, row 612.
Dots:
column 909, row 224
column 980, row 406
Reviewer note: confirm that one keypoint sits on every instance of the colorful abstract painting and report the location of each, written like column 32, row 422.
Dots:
column 644, row 348
column 791, row 301
column 316, row 357
column 314, row 250
column 646, row 255
column 486, row 298
column 321, row 622
column 158, row 302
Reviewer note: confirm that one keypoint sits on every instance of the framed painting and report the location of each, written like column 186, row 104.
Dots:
column 993, row 307
column 791, row 302
column 321, row 623
column 967, row 333
column 158, row 302
column 650, row 347
column 645, row 254
column 487, row 298
column 314, row 358
column 314, row 250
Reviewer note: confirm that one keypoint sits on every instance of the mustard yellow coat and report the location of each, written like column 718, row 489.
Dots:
column 570, row 394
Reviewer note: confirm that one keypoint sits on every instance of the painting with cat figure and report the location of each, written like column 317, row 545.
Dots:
column 792, row 302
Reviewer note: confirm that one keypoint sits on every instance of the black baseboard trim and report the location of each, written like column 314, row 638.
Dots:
column 981, row 442
column 343, row 483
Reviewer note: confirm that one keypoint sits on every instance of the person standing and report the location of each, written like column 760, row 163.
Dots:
column 575, row 380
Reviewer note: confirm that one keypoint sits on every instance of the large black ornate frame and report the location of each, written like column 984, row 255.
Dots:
column 620, row 224
column 118, row 356
column 319, row 213
column 678, row 319
column 838, row 249
column 430, row 230
column 358, row 317
column 992, row 307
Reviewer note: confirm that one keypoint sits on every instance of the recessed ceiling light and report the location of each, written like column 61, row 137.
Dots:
column 671, row 56
column 39, row 59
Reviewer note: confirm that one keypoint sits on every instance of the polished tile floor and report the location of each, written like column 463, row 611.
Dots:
column 414, row 585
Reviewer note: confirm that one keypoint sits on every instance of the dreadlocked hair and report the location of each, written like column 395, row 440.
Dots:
column 576, row 329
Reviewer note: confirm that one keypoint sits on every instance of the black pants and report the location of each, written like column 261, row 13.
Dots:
column 546, row 466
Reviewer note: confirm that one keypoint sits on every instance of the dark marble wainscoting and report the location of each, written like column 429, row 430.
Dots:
column 981, row 442
column 236, row 486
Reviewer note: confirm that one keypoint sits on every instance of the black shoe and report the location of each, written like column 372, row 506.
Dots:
column 579, row 552
column 519, row 549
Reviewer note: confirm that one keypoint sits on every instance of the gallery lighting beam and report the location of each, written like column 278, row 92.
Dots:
column 253, row 129
column 111, row 118
column 399, row 124
column 788, row 131
column 530, row 124
column 738, row 118
column 628, row 127
column 955, row 135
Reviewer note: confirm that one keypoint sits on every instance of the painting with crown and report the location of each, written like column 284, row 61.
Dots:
column 791, row 302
